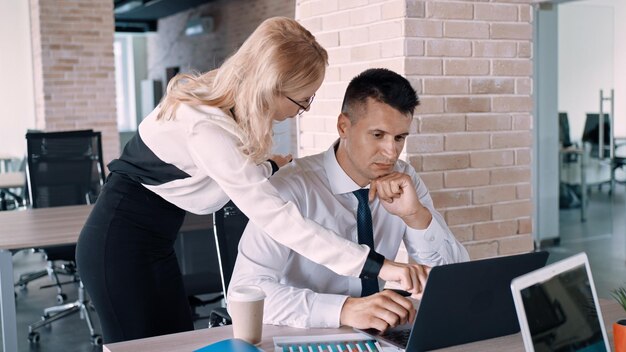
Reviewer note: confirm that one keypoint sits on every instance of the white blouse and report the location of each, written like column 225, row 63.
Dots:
column 199, row 167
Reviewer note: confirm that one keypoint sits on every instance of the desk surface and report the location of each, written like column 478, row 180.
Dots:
column 192, row 340
column 60, row 225
column 12, row 179
column 40, row 228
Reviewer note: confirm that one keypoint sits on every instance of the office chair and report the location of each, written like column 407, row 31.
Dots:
column 569, row 195
column 228, row 226
column 12, row 199
column 200, row 272
column 591, row 133
column 64, row 168
column 53, row 169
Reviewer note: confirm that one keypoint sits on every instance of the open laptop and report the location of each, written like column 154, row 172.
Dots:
column 558, row 308
column 464, row 302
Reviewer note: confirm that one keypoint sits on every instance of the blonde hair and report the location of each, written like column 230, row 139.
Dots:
column 279, row 58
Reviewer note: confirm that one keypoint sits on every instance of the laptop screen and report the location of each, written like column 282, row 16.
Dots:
column 561, row 313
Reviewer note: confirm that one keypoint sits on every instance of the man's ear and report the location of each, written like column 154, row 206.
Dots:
column 343, row 124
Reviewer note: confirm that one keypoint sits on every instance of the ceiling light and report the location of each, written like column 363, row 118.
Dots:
column 128, row 6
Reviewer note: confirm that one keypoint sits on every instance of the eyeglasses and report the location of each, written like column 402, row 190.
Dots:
column 302, row 107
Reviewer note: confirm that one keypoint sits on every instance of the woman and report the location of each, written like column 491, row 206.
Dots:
column 204, row 144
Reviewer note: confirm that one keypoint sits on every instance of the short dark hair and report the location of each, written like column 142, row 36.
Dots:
column 382, row 85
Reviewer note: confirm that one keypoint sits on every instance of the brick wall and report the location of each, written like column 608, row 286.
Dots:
column 471, row 64
column 73, row 67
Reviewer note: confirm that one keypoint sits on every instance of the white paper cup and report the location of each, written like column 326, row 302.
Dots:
column 245, row 306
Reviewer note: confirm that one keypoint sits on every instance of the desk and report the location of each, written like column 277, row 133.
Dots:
column 189, row 341
column 40, row 228
column 12, row 180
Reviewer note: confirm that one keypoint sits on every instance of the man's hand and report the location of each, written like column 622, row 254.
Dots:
column 380, row 311
column 397, row 195
column 281, row 160
column 412, row 277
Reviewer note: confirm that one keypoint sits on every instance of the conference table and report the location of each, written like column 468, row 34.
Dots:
column 12, row 180
column 192, row 340
column 8, row 182
column 45, row 227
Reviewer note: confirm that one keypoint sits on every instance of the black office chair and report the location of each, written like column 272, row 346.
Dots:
column 64, row 168
column 228, row 226
column 569, row 195
column 591, row 133
column 200, row 272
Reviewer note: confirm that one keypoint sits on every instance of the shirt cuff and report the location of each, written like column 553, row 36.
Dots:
column 274, row 165
column 372, row 266
column 430, row 237
column 326, row 311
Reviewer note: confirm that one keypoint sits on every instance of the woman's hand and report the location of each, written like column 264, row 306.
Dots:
column 281, row 160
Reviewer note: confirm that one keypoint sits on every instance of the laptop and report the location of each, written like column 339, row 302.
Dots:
column 558, row 310
column 464, row 302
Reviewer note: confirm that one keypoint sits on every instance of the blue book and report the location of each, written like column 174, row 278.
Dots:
column 230, row 345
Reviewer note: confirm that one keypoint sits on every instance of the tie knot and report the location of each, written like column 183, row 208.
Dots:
column 362, row 195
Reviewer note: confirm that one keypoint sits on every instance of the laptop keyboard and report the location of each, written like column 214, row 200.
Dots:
column 401, row 337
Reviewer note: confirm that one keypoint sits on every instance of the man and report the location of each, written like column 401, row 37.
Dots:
column 331, row 188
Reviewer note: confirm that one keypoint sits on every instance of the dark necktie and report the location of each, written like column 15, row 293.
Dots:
column 366, row 236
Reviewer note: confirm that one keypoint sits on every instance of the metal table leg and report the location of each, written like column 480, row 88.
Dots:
column 7, row 302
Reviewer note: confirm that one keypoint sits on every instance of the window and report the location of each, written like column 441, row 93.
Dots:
column 125, row 83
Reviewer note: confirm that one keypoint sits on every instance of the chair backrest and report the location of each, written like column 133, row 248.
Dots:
column 564, row 136
column 592, row 128
column 64, row 168
column 228, row 226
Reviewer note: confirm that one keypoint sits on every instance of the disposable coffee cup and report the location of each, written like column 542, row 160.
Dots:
column 245, row 305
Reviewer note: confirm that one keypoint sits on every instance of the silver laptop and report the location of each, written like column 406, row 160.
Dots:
column 557, row 307
column 472, row 299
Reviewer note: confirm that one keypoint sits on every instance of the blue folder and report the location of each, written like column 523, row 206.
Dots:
column 230, row 345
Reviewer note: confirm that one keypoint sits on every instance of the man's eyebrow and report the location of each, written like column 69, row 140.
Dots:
column 376, row 130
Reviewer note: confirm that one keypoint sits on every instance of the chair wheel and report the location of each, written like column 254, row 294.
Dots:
column 96, row 340
column 61, row 297
column 33, row 337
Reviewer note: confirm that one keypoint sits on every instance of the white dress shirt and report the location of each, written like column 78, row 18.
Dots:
column 303, row 294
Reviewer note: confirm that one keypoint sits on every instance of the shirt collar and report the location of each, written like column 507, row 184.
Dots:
column 338, row 180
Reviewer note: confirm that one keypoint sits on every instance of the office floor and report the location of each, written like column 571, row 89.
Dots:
column 68, row 334
column 603, row 237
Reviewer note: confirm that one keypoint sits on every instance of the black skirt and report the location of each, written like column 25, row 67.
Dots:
column 126, row 260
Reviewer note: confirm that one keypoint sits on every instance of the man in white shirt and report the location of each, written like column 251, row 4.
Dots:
column 376, row 114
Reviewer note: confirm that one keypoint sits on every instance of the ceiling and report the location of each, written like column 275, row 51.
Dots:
column 142, row 15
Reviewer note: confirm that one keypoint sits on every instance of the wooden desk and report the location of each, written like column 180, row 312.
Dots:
column 40, row 228
column 8, row 181
column 192, row 340
column 12, row 180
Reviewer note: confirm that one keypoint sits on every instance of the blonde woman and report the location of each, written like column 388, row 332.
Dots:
column 208, row 142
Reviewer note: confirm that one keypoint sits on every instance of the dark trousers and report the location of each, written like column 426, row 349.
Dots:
column 126, row 260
